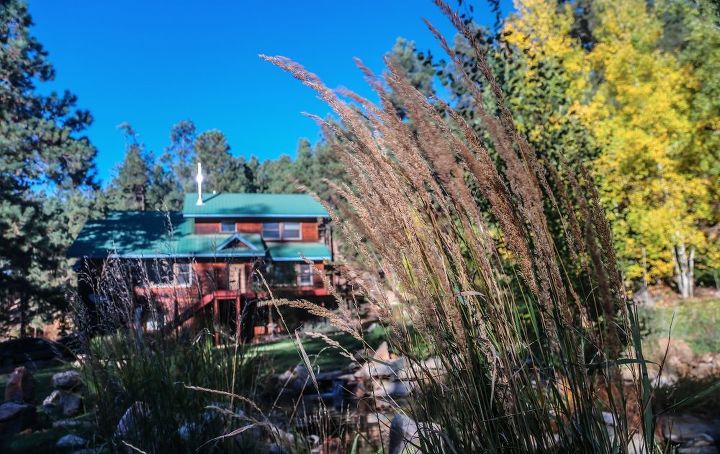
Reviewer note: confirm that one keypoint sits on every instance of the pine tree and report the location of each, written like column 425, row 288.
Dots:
column 41, row 156
column 130, row 188
column 224, row 172
column 177, row 161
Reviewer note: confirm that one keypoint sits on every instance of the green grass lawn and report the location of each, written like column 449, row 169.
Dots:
column 283, row 354
column 696, row 322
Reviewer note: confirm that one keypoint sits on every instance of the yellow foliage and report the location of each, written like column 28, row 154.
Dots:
column 634, row 99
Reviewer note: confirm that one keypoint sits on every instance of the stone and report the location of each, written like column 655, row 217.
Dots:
column 70, row 404
column 54, row 399
column 69, row 380
column 71, row 441
column 382, row 353
column 404, row 437
column 186, row 430
column 20, row 387
column 373, row 369
column 396, row 388
column 692, row 434
column 16, row 417
column 71, row 424
column 130, row 420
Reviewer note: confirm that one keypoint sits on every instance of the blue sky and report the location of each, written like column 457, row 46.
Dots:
column 152, row 63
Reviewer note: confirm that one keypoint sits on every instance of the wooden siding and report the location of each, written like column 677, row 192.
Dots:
column 206, row 227
column 309, row 229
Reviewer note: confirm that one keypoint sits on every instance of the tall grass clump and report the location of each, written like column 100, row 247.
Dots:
column 530, row 324
column 162, row 390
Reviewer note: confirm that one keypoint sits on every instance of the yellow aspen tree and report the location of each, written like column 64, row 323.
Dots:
column 634, row 98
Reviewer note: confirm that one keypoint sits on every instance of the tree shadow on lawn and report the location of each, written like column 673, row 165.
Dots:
column 284, row 354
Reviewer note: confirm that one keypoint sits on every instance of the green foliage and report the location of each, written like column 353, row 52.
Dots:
column 44, row 162
column 143, row 183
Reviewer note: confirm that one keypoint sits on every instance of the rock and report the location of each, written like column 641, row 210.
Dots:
column 186, row 430
column 404, row 436
column 373, row 369
column 16, row 417
column 20, row 387
column 71, row 441
column 397, row 388
column 133, row 416
column 382, row 353
column 636, row 445
column 698, row 450
column 70, row 404
column 691, row 433
column 69, row 380
column 71, row 424
column 53, row 400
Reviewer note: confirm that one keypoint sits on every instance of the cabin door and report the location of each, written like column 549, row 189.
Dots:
column 237, row 277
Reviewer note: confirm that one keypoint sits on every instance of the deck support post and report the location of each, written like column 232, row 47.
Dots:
column 216, row 320
column 238, row 318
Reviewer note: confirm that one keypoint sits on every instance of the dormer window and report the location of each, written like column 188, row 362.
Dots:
column 271, row 231
column 227, row 227
column 282, row 231
column 291, row 231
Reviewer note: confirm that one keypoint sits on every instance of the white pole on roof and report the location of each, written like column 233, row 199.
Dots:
column 199, row 179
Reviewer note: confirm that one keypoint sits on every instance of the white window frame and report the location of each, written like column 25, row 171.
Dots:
column 305, row 274
column 299, row 230
column 234, row 226
column 279, row 231
column 176, row 272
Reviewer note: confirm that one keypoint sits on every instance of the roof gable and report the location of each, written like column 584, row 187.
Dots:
column 226, row 204
column 236, row 241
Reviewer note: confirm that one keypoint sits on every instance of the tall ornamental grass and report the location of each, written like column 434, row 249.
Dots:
column 522, row 304
column 162, row 390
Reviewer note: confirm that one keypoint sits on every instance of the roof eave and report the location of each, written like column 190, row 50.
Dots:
column 233, row 215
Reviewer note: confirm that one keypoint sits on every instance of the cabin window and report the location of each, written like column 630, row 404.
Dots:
column 291, row 231
column 183, row 273
column 271, row 231
column 158, row 272
column 305, row 275
column 227, row 226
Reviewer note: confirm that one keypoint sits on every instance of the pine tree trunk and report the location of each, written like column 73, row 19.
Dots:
column 685, row 270
column 22, row 309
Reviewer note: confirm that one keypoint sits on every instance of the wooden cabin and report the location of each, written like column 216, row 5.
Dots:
column 206, row 265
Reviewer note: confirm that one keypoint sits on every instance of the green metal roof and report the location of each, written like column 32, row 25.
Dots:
column 298, row 251
column 253, row 205
column 152, row 234
column 149, row 234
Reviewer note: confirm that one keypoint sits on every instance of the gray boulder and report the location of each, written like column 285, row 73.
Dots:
column 71, row 441
column 133, row 417
column 16, row 417
column 69, row 380
column 404, row 436
column 68, row 403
